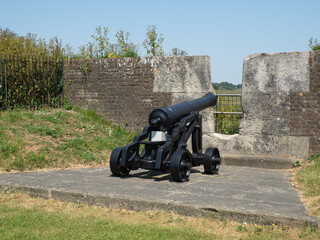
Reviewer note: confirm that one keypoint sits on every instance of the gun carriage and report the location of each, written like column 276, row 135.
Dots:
column 163, row 144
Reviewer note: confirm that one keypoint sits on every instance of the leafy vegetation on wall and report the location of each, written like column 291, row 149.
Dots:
column 314, row 44
column 100, row 46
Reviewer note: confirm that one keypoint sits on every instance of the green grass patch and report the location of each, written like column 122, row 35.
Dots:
column 7, row 149
column 22, row 223
column 42, row 129
column 51, row 138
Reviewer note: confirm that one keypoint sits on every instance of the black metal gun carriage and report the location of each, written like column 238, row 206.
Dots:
column 163, row 144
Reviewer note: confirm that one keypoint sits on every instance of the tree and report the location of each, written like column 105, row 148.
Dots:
column 215, row 86
column 153, row 42
column 226, row 86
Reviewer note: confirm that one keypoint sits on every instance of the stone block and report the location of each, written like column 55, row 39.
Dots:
column 182, row 74
column 281, row 146
column 279, row 73
column 265, row 105
column 237, row 144
column 264, row 126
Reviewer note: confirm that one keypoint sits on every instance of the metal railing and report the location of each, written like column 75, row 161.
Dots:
column 31, row 81
column 228, row 113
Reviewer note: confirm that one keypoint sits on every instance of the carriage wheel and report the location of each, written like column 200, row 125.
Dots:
column 211, row 160
column 181, row 166
column 115, row 162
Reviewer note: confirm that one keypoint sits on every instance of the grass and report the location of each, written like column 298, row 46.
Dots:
column 18, row 222
column 308, row 179
column 57, row 138
column 22, row 217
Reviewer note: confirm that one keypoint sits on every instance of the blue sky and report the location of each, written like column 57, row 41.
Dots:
column 226, row 30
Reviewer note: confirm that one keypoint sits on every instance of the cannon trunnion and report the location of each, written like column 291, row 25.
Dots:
column 163, row 144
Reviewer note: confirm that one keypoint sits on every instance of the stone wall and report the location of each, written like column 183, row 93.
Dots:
column 281, row 105
column 126, row 90
column 280, row 100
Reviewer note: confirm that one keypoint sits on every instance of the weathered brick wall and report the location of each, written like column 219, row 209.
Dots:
column 120, row 89
column 305, row 107
column 126, row 90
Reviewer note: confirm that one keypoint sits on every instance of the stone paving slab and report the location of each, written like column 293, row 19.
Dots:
column 261, row 196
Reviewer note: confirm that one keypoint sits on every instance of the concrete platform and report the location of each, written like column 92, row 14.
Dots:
column 261, row 196
column 257, row 161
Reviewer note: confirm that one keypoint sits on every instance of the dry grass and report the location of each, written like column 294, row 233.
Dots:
column 312, row 203
column 306, row 180
column 210, row 228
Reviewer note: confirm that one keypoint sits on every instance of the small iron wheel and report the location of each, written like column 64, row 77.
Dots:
column 181, row 166
column 211, row 160
column 115, row 164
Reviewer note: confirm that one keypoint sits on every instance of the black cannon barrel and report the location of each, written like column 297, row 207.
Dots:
column 166, row 117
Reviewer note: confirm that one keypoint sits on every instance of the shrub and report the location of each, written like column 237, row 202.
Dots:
column 314, row 44
column 11, row 43
column 154, row 42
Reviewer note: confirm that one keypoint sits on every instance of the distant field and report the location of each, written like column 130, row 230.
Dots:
column 237, row 91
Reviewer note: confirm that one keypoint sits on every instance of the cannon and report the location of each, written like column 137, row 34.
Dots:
column 163, row 144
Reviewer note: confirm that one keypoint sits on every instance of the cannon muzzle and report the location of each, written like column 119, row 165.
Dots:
column 165, row 118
